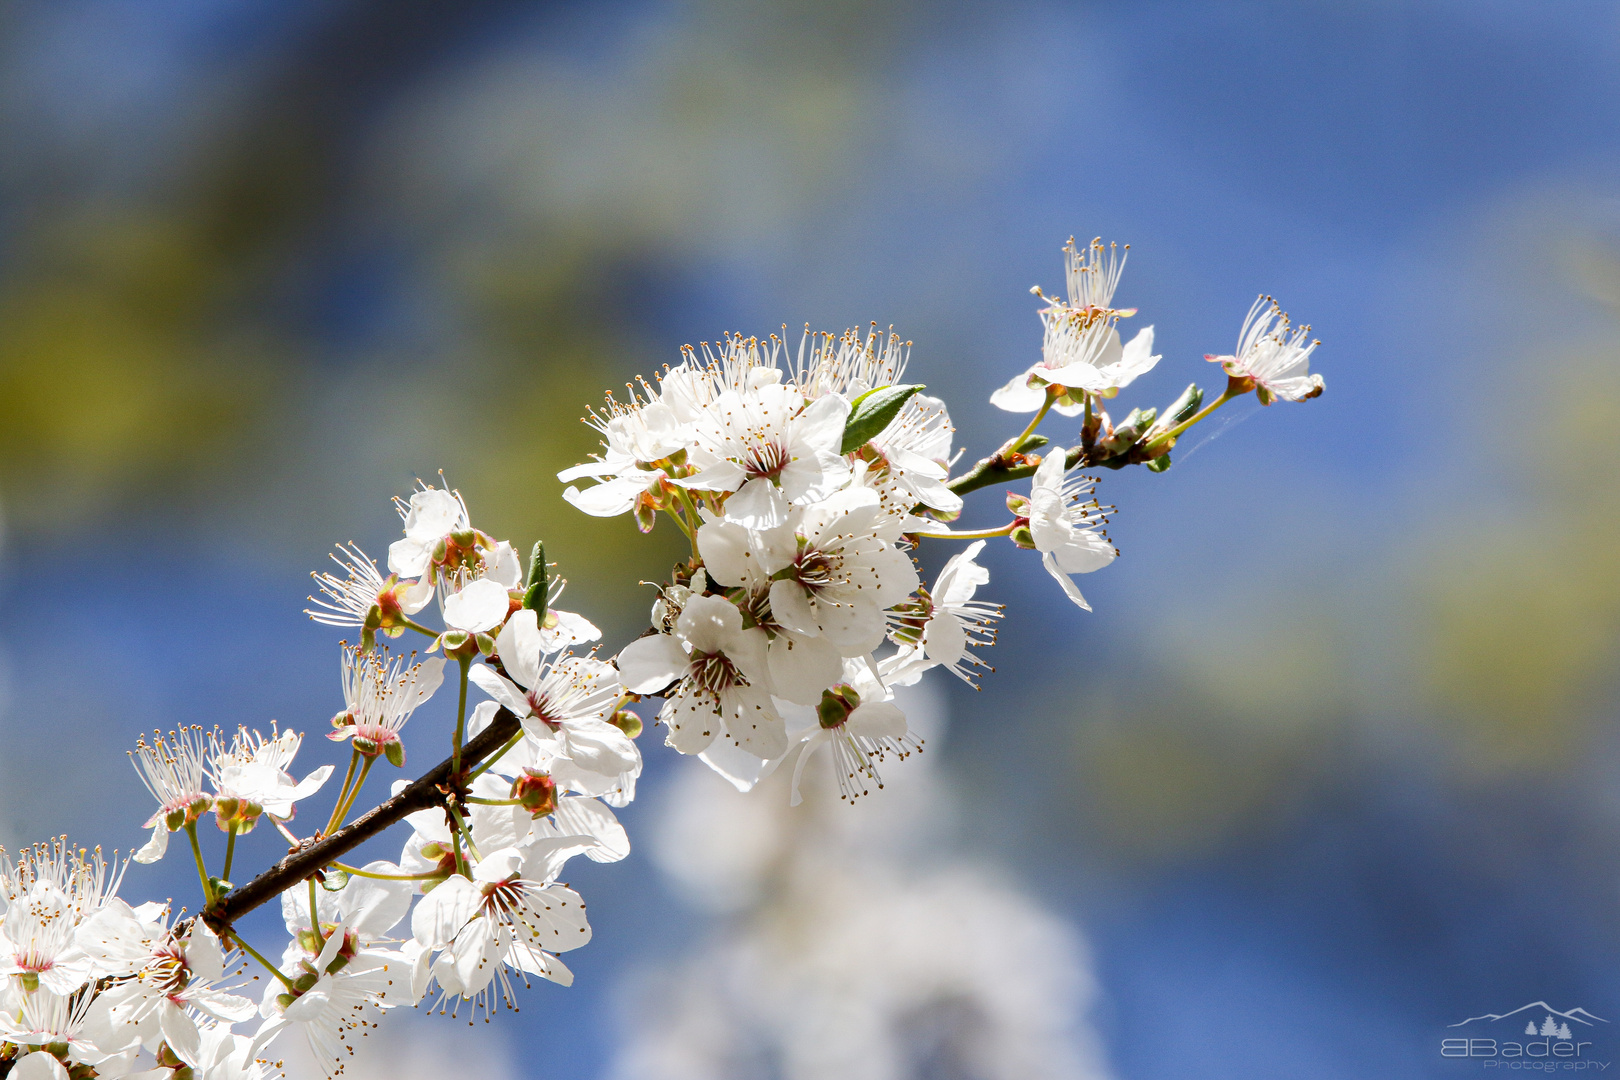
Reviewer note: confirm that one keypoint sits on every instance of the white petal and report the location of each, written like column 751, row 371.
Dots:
column 519, row 646
column 180, row 1032
column 721, row 476
column 372, row 907
column 500, row 689
column 802, row 667
column 605, row 500
column 791, row 607
column 1018, row 395
column 649, row 664
column 578, row 815
column 38, row 1066
column 758, row 504
column 1069, row 587
column 204, row 956
column 481, row 605
column 441, row 914
column 154, row 848
column 726, row 555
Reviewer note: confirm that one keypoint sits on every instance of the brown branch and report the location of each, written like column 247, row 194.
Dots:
column 421, row 794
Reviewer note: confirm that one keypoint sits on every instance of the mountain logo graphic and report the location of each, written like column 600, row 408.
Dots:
column 1527, row 1037
column 1577, row 1015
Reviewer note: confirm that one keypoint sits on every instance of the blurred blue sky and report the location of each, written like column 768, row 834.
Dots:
column 404, row 216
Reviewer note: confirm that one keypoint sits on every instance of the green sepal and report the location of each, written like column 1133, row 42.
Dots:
column 534, row 591
column 1159, row 464
column 870, row 413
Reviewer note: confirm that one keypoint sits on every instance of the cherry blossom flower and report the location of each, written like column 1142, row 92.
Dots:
column 509, row 920
column 1273, row 355
column 1081, row 349
column 830, row 575
column 173, row 770
column 768, row 448
column 54, row 1025
column 250, row 776
column 563, row 704
column 848, row 364
column 379, row 696
column 723, row 679
column 333, row 997
column 1067, row 531
column 47, row 892
column 363, row 597
column 163, row 981
column 938, row 626
column 860, row 723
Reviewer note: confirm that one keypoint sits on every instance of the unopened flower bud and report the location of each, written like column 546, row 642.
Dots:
column 536, row 792
column 627, row 722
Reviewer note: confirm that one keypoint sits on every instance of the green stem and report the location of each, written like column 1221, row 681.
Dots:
column 230, row 852
column 348, row 804
column 411, row 624
column 690, row 529
column 1051, row 396
column 977, row 534
column 314, row 909
column 357, row 872
column 202, row 870
column 337, row 810
column 493, row 758
column 461, row 720
column 461, row 827
column 1161, row 439
column 268, row 966
column 493, row 802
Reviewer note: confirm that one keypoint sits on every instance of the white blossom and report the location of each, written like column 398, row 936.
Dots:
column 335, row 995
column 1274, row 355
column 363, row 597
column 724, row 684
column 767, row 447
column 1081, row 348
column 173, row 770
column 508, row 922
column 47, row 892
column 859, row 722
column 563, row 704
column 253, row 771
column 940, row 625
column 1066, row 526
column 164, row 981
column 379, row 696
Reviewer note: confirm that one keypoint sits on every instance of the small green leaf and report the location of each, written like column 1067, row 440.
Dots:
column 1182, row 408
column 870, row 413
column 534, row 593
column 1159, row 464
column 1032, row 441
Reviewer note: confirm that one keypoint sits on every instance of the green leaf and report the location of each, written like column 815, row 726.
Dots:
column 534, row 593
column 870, row 413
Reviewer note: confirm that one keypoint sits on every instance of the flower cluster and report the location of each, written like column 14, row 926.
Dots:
column 804, row 481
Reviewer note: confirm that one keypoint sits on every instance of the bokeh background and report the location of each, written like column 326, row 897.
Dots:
column 1332, row 765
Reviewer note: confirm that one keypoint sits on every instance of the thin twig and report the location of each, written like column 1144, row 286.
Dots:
column 425, row 792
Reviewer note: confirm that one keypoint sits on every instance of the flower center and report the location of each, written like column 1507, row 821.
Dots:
column 542, row 709
column 714, row 673
column 765, row 460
